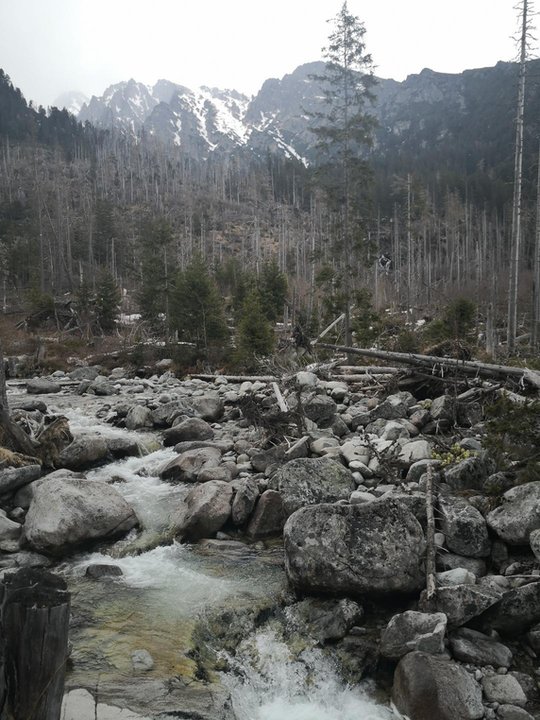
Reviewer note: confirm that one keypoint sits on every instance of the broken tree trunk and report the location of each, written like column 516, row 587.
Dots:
column 12, row 436
column 35, row 623
column 469, row 367
column 431, row 583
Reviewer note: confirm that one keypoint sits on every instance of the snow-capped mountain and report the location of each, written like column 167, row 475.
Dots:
column 209, row 119
column 72, row 101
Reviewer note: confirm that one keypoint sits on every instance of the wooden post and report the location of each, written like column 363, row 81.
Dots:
column 35, row 623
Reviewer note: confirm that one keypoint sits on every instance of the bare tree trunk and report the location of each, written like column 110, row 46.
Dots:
column 535, row 324
column 518, row 176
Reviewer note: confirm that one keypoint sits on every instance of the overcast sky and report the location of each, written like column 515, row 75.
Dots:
column 52, row 46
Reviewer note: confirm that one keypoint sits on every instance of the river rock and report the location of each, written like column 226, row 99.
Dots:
column 393, row 407
column 519, row 514
column 471, row 646
column 142, row 660
column 412, row 630
column 464, row 527
column 268, row 518
column 460, row 603
column 189, row 429
column 68, row 512
column 414, row 451
column 504, row 689
column 418, row 468
column 443, row 409
column 247, row 492
column 42, row 386
column 97, row 571
column 376, row 548
column 103, row 387
column 208, row 407
column 187, row 466
column 518, row 610
column 512, row 712
column 221, row 472
column 84, row 451
column 139, row 417
column 262, row 459
column 10, row 533
column 320, row 409
column 310, row 481
column 205, row 510
column 469, row 474
column 450, row 561
column 325, row 620
column 458, row 576
column 122, row 447
column 14, row 478
column 306, row 379
column 164, row 415
column 430, row 688
column 84, row 373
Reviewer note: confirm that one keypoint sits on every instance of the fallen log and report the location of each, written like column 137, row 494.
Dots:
column 469, row 367
column 371, row 369
column 235, row 378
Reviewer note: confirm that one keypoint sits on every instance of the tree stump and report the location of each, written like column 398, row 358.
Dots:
column 35, row 622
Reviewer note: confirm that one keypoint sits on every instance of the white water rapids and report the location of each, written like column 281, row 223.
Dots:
column 157, row 601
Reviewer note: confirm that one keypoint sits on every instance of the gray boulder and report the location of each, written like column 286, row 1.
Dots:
column 512, row 712
column 450, row 561
column 10, row 534
column 411, row 631
column 84, row 451
column 429, row 688
column 471, row 646
column 84, row 373
column 65, row 513
column 205, row 510
column 320, row 409
column 14, row 478
column 164, row 415
column 189, row 429
column 208, row 407
column 42, row 386
column 518, row 610
column 139, row 417
column 375, row 548
column 311, row 481
column 245, row 498
column 325, row 620
column 464, row 527
column 187, row 466
column 102, row 387
column 461, row 603
column 519, row 514
column 268, row 517
column 393, row 407
column 97, row 571
column 468, row 474
column 503, row 689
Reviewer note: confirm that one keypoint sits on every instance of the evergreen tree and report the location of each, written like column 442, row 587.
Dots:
column 107, row 301
column 152, row 294
column 343, row 132
column 197, row 308
column 255, row 336
column 273, row 290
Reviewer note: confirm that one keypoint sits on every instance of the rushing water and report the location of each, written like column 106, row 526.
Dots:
column 163, row 592
column 269, row 684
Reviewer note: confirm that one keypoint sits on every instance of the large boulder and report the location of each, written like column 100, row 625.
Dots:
column 67, row 512
column 519, row 514
column 503, row 689
column 471, row 646
column 247, row 492
column 517, row 611
column 311, row 481
column 268, row 518
column 324, row 620
column 42, row 386
column 468, row 474
column 10, row 533
column 84, row 451
column 321, row 409
column 139, row 417
column 208, row 407
column 461, row 603
column 188, row 429
column 12, row 479
column 411, row 631
column 206, row 508
column 371, row 549
column 428, row 688
column 464, row 527
column 164, row 415
column 187, row 466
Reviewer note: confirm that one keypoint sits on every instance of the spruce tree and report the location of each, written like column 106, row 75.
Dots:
column 255, row 337
column 197, row 308
column 152, row 294
column 107, row 302
column 343, row 132
column 273, row 290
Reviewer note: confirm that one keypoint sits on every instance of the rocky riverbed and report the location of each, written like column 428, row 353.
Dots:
column 228, row 559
